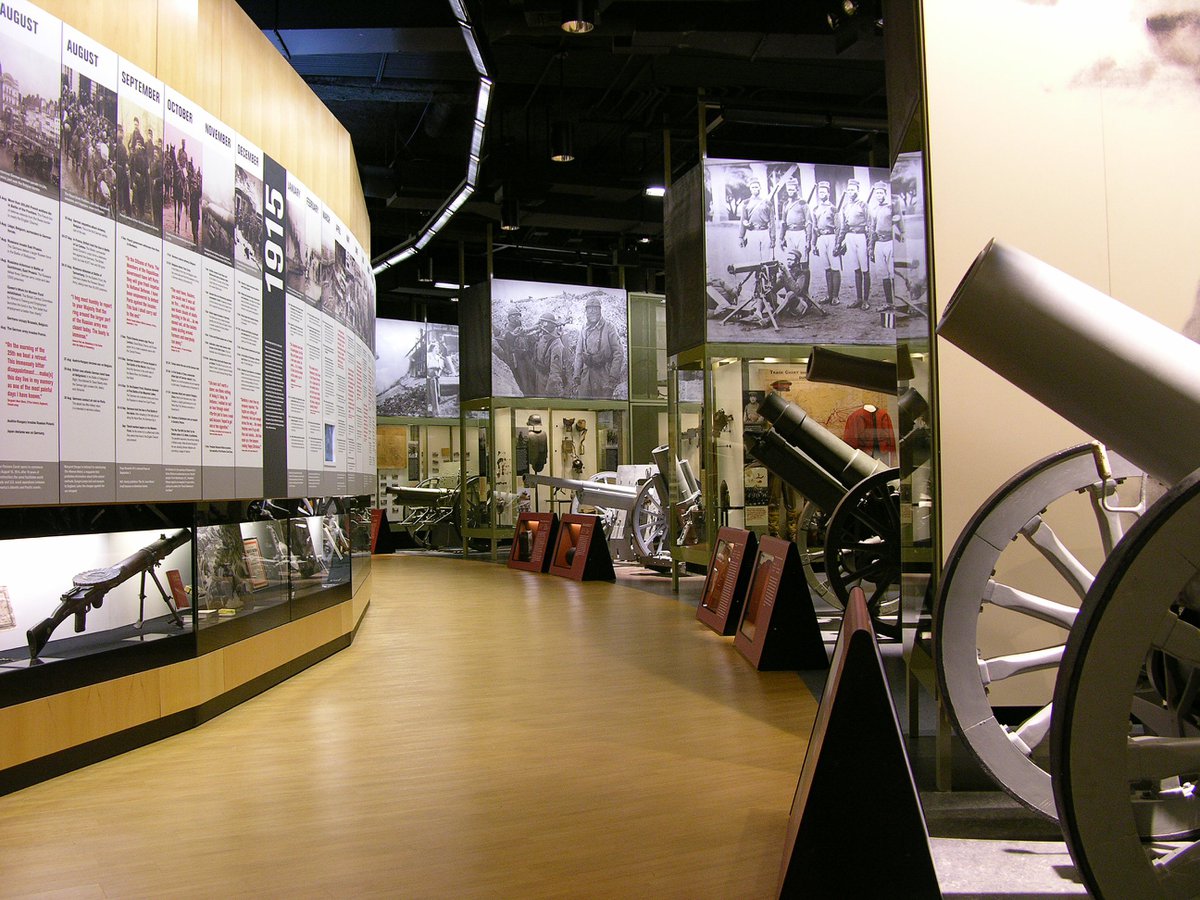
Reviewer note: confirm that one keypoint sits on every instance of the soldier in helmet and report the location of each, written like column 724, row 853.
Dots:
column 548, row 357
column 882, row 223
column 598, row 355
column 824, row 241
column 852, row 241
column 515, row 347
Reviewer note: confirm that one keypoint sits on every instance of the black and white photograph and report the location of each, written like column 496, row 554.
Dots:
column 182, row 187
column 416, row 369
column 137, row 160
column 911, row 278
column 248, row 220
column 216, row 207
column 559, row 341
column 89, row 128
column 798, row 253
column 30, row 124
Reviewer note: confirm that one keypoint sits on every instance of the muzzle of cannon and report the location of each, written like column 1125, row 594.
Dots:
column 1123, row 729
column 833, row 367
column 846, row 464
column 589, row 493
column 1084, row 355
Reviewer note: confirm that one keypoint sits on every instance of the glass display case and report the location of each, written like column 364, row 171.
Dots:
column 161, row 583
column 718, row 420
column 571, row 440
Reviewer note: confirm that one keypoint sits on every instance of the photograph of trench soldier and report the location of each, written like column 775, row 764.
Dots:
column 551, row 370
column 514, row 345
column 599, row 356
column 30, row 124
column 89, row 132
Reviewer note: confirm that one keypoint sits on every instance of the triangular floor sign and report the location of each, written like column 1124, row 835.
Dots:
column 856, row 785
column 581, row 551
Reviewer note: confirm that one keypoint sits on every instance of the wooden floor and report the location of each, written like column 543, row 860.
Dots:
column 490, row 733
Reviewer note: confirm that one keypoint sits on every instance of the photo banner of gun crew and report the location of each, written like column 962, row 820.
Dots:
column 416, row 369
column 134, row 330
column 799, row 253
column 559, row 341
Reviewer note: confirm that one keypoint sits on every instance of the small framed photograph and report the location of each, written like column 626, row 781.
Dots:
column 254, row 564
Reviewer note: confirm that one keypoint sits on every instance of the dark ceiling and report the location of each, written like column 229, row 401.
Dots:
column 769, row 80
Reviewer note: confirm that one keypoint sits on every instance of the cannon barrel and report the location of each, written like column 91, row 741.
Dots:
column 1122, row 377
column 592, row 493
column 833, row 367
column 418, row 496
column 818, row 443
column 796, row 468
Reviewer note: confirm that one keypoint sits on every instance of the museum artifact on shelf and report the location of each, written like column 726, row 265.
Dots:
column 1123, row 725
column 89, row 588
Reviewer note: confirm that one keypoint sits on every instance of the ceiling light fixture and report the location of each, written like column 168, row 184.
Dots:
column 562, row 142
column 579, row 16
column 510, row 213
column 849, row 7
column 656, row 190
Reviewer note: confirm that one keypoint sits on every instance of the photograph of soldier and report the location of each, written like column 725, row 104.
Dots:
column 248, row 221
column 416, row 369
column 782, row 226
column 183, row 184
column 882, row 222
column 30, row 124
column 599, row 356
column 89, row 130
column 216, row 209
column 587, row 325
column 851, row 243
column 138, row 162
column 910, row 284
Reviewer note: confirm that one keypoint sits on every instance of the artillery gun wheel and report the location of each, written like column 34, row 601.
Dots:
column 812, row 554
column 1016, row 757
column 648, row 523
column 862, row 547
column 1113, row 783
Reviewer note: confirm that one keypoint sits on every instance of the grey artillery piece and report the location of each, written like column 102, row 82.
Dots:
column 633, row 515
column 431, row 508
column 859, row 493
column 1123, row 730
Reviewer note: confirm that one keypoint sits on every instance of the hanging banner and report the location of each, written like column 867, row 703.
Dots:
column 248, row 235
column 87, row 271
column 219, row 419
column 139, row 328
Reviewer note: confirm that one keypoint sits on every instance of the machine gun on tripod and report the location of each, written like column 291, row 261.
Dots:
column 90, row 588
column 760, row 302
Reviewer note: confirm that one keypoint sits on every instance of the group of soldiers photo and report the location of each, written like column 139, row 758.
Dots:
column 786, row 242
column 547, row 354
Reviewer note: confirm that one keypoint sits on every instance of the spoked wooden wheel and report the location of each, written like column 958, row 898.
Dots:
column 1016, row 757
column 648, row 522
column 862, row 548
column 1113, row 783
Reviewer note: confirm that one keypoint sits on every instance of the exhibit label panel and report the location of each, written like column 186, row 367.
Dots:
column 140, row 319
column 182, row 272
column 87, row 271
column 29, row 203
column 248, row 317
column 217, row 353
column 172, row 326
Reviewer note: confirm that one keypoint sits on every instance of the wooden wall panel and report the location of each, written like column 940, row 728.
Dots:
column 242, row 71
column 128, row 26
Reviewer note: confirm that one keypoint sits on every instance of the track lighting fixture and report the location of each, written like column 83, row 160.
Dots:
column 562, row 142
column 579, row 16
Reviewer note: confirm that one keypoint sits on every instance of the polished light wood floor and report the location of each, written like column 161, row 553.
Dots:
column 490, row 733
